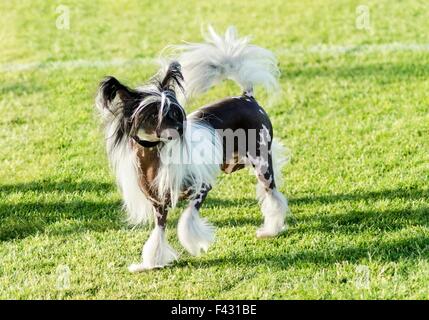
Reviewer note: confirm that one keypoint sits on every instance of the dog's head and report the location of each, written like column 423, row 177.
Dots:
column 149, row 113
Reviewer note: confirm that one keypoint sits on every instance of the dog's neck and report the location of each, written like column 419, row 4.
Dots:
column 148, row 165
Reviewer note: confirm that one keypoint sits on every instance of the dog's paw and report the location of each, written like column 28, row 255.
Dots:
column 141, row 267
column 137, row 267
column 262, row 233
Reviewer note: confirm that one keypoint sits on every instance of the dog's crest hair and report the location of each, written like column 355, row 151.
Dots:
column 226, row 57
column 118, row 102
column 161, row 89
column 173, row 77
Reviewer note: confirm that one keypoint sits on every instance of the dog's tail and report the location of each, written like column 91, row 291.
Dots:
column 226, row 57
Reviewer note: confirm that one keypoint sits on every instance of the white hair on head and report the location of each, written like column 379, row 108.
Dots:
column 162, row 109
column 226, row 57
column 153, row 95
column 165, row 98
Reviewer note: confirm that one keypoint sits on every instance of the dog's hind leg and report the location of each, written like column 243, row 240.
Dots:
column 274, row 205
column 156, row 253
column 195, row 233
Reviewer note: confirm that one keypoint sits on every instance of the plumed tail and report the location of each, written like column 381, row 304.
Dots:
column 226, row 57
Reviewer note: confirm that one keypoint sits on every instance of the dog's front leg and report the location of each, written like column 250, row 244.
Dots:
column 195, row 233
column 156, row 253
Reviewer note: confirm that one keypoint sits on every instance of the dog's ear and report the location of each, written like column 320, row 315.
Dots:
column 112, row 94
column 173, row 77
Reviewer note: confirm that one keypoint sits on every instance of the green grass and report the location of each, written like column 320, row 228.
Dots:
column 357, row 125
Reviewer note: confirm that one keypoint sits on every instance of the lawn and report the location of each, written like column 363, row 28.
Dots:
column 354, row 113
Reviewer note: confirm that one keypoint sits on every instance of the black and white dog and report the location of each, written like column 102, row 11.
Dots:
column 160, row 155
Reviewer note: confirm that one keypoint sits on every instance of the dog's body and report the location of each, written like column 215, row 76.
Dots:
column 161, row 156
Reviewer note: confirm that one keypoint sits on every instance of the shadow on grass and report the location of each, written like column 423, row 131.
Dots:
column 385, row 220
column 409, row 248
column 389, row 194
column 353, row 222
column 26, row 218
column 60, row 186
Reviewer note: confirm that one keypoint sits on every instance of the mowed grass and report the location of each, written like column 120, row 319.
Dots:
column 357, row 125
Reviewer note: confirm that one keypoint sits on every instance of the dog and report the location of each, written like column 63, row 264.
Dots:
column 161, row 155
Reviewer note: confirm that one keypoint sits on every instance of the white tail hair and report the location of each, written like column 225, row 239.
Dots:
column 226, row 57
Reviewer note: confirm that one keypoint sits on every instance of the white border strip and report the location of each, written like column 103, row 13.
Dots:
column 320, row 49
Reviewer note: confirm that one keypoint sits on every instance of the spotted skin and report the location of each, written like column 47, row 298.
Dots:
column 243, row 113
column 197, row 202
column 161, row 215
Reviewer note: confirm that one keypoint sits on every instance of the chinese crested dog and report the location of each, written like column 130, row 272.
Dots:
column 161, row 155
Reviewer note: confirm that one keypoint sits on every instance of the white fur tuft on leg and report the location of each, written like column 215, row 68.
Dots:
column 274, row 208
column 157, row 253
column 195, row 233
